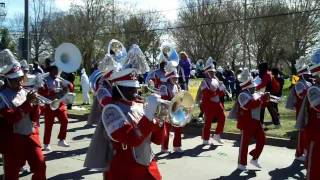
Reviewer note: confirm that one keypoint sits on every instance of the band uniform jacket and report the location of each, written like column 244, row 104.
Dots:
column 100, row 151
column 131, row 134
column 21, row 118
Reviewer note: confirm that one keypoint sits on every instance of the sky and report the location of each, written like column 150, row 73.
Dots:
column 168, row 6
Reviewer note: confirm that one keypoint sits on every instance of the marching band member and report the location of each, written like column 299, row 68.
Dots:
column 131, row 127
column 209, row 92
column 54, row 88
column 268, row 84
column 295, row 98
column 102, row 94
column 22, row 121
column 158, row 76
column 167, row 92
column 100, row 152
column 247, row 115
column 309, row 121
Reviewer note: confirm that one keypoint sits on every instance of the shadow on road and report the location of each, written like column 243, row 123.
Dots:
column 238, row 175
column 23, row 174
column 80, row 137
column 64, row 154
column 293, row 171
column 74, row 175
column 87, row 126
column 293, row 135
column 194, row 152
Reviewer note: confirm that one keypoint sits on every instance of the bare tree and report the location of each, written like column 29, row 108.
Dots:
column 40, row 18
column 16, row 22
column 88, row 26
column 288, row 30
column 203, row 29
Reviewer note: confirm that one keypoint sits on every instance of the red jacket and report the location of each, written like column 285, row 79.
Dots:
column 128, row 136
column 245, row 119
column 12, row 116
column 266, row 79
column 46, row 92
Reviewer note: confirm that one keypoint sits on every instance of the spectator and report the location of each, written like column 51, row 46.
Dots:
column 69, row 77
column 237, row 83
column 36, row 68
column 184, row 69
column 229, row 79
column 199, row 68
column 85, row 87
column 47, row 64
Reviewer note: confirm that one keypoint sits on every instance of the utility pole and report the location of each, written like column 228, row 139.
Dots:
column 113, row 14
column 244, row 33
column 25, row 43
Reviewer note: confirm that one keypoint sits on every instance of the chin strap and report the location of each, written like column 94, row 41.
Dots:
column 123, row 97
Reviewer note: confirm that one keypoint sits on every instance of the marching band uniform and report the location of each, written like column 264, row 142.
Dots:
column 309, row 120
column 22, row 130
column 167, row 92
column 99, row 154
column 102, row 96
column 295, row 98
column 51, row 89
column 210, row 91
column 132, row 128
column 158, row 76
column 248, row 121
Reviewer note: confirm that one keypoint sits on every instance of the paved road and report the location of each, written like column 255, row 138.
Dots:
column 198, row 162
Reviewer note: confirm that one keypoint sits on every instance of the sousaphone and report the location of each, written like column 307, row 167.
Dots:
column 67, row 57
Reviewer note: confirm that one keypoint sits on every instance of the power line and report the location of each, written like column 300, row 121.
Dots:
column 213, row 23
column 193, row 7
column 220, row 22
column 254, row 2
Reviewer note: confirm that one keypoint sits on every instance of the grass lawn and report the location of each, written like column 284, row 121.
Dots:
column 287, row 117
column 78, row 108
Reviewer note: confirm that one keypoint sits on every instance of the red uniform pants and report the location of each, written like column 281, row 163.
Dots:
column 24, row 149
column 124, row 167
column 302, row 143
column 211, row 111
column 49, row 120
column 255, row 131
column 176, row 139
column 313, row 171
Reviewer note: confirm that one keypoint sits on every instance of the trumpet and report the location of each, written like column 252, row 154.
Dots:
column 40, row 99
column 177, row 112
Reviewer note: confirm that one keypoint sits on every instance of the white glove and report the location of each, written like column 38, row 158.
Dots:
column 152, row 102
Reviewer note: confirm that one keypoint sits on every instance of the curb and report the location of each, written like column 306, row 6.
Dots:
column 193, row 129
column 81, row 117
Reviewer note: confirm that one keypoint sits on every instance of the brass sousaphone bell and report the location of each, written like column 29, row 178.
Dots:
column 176, row 112
column 180, row 108
column 67, row 58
